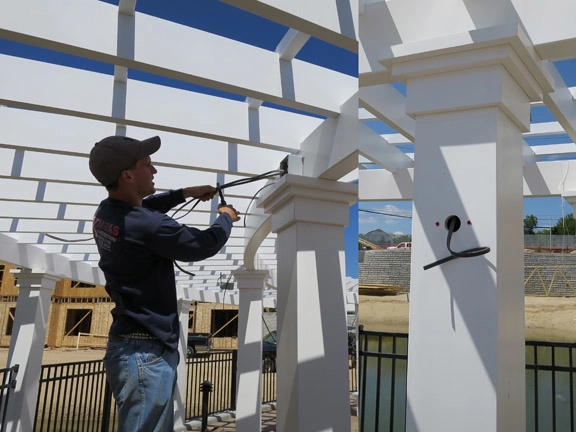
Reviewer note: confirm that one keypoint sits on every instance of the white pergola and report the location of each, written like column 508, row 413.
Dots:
column 225, row 109
column 455, row 82
column 471, row 70
column 51, row 116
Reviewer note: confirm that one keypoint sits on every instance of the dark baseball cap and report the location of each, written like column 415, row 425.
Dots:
column 114, row 154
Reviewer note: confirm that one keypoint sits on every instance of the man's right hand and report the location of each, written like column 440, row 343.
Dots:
column 234, row 214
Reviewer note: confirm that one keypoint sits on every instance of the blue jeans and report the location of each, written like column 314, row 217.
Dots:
column 142, row 376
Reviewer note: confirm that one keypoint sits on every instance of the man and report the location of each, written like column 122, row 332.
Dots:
column 138, row 242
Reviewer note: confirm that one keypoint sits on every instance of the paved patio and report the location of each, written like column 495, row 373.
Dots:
column 226, row 422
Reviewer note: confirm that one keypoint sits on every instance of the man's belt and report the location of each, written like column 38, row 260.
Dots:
column 134, row 335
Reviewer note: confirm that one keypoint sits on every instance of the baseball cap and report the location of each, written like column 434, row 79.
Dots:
column 114, row 154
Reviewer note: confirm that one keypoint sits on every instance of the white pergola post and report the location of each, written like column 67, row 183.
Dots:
column 27, row 345
column 570, row 196
column 180, row 396
column 249, row 382
column 309, row 216
column 466, row 346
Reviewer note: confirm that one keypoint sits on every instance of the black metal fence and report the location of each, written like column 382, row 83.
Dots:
column 8, row 380
column 74, row 397
column 383, row 358
column 550, row 380
column 220, row 369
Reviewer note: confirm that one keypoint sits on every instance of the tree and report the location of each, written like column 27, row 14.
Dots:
column 530, row 222
column 565, row 225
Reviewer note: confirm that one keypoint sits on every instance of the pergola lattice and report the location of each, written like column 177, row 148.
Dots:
column 224, row 108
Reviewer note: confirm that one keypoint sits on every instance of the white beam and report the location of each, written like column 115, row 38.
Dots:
column 291, row 44
column 331, row 20
column 377, row 150
column 58, row 89
column 561, row 103
column 541, row 179
column 550, row 25
column 194, row 55
column 331, row 151
column 389, row 105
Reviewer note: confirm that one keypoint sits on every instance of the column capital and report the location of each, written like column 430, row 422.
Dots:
column 250, row 279
column 29, row 278
column 304, row 199
column 472, row 70
column 506, row 44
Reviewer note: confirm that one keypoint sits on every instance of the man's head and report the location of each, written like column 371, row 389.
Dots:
column 113, row 155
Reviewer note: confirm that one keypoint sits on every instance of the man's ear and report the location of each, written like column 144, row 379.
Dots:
column 126, row 176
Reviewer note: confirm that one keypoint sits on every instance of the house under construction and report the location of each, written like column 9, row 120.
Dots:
column 80, row 315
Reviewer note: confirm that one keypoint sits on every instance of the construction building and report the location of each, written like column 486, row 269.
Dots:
column 80, row 315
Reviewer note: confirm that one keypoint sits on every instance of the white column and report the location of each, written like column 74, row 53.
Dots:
column 570, row 196
column 180, row 396
column 249, row 382
column 466, row 346
column 309, row 216
column 27, row 345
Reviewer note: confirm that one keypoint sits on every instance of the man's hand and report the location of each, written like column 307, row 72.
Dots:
column 203, row 193
column 234, row 214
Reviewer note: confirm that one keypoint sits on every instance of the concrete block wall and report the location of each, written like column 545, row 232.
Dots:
column 390, row 267
column 550, row 274
column 544, row 273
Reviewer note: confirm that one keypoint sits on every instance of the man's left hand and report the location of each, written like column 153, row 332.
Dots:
column 203, row 193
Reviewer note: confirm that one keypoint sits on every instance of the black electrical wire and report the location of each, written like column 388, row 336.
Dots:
column 66, row 240
column 453, row 225
column 182, row 270
column 263, row 176
column 184, row 205
column 196, row 201
column 254, row 197
column 386, row 213
column 219, row 187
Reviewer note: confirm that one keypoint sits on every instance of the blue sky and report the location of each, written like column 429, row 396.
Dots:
column 548, row 210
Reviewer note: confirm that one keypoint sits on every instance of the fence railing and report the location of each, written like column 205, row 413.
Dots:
column 550, row 379
column 72, row 397
column 75, row 396
column 8, row 380
column 220, row 369
column 383, row 357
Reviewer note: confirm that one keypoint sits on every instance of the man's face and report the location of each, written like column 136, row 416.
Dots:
column 143, row 175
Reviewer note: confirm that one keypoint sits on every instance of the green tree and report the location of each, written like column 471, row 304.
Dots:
column 565, row 226
column 530, row 222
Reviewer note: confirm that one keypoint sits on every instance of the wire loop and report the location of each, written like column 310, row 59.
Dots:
column 468, row 253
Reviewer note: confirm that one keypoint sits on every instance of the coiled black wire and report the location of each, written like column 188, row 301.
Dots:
column 453, row 223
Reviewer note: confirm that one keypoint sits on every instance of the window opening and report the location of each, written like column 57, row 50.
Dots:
column 224, row 323
column 78, row 321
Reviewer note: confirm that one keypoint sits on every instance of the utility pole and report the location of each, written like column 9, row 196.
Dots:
column 550, row 232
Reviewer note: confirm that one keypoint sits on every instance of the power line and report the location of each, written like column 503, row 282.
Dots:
column 407, row 216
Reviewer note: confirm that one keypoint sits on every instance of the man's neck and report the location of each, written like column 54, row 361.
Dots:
column 130, row 198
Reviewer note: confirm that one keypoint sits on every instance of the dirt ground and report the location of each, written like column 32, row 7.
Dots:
column 547, row 318
column 61, row 355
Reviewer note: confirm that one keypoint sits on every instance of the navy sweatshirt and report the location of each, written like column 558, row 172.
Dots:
column 137, row 247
